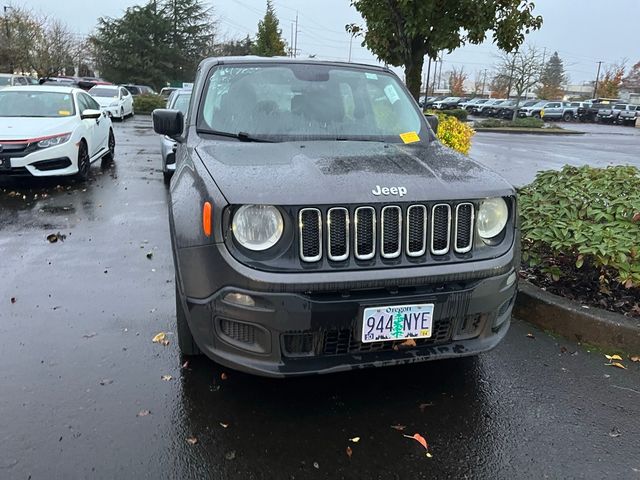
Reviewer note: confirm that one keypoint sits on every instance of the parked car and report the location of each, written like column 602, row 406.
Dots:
column 534, row 110
column 136, row 90
column 469, row 101
column 429, row 102
column 281, row 272
column 178, row 100
column 116, row 101
column 167, row 91
column 589, row 111
column 447, row 103
column 10, row 80
column 610, row 115
column 483, row 109
column 52, row 131
column 473, row 104
column 500, row 109
column 564, row 111
column 628, row 116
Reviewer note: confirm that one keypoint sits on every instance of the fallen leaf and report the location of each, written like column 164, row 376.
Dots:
column 89, row 335
column 224, row 425
column 223, row 376
column 635, row 358
column 400, row 428
column 149, row 255
column 230, row 455
column 185, row 364
column 349, row 452
column 422, row 406
column 636, row 217
column 530, row 335
column 617, row 365
column 420, row 439
column 167, row 378
column 354, row 439
column 13, row 299
column 143, row 413
column 614, row 433
column 106, row 381
column 316, row 465
column 192, row 440
column 408, row 343
column 613, row 357
column 161, row 338
column 563, row 349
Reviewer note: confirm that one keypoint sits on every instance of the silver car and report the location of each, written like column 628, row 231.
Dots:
column 178, row 100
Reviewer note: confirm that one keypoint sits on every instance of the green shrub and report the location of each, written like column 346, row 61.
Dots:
column 584, row 217
column 491, row 123
column 459, row 113
column 148, row 103
column 528, row 122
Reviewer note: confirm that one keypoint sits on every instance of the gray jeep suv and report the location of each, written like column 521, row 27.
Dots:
column 318, row 225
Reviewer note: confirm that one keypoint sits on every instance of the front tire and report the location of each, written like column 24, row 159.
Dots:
column 567, row 117
column 112, row 146
column 84, row 162
column 185, row 339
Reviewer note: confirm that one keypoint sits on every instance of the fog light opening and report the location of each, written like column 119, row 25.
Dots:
column 241, row 299
column 511, row 279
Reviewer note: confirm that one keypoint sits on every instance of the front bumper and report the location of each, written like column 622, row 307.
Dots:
column 311, row 328
column 113, row 112
column 60, row 160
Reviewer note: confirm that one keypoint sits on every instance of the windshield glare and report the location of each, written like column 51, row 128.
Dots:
column 104, row 92
column 36, row 104
column 302, row 101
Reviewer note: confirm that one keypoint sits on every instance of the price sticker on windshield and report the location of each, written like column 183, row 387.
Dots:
column 410, row 137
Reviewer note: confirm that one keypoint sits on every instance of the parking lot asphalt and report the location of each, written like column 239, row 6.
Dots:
column 518, row 157
column 82, row 393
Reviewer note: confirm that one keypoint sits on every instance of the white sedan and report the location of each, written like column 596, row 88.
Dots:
column 52, row 131
column 116, row 101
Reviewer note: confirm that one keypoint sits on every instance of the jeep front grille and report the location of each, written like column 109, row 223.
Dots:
column 362, row 232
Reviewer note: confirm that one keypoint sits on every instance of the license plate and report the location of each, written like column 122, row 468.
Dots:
column 382, row 324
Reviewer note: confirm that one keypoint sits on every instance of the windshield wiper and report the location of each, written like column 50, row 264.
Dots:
column 242, row 136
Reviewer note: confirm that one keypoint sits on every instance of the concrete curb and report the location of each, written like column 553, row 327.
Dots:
column 571, row 320
column 528, row 131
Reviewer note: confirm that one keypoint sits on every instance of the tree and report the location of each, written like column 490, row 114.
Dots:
column 457, row 77
column 499, row 86
column 478, row 82
column 609, row 87
column 403, row 32
column 269, row 42
column 552, row 79
column 632, row 80
column 155, row 43
column 522, row 69
column 54, row 50
column 232, row 48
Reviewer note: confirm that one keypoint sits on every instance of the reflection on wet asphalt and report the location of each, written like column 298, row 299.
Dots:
column 82, row 394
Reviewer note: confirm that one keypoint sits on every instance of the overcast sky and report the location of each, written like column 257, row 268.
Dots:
column 582, row 31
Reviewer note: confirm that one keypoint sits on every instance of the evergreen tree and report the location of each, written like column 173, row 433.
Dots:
column 552, row 79
column 234, row 48
column 269, row 42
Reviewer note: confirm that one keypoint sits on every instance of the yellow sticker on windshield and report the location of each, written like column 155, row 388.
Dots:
column 410, row 137
column 64, row 113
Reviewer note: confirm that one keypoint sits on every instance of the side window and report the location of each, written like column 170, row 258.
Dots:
column 82, row 103
column 21, row 81
column 124, row 92
column 91, row 102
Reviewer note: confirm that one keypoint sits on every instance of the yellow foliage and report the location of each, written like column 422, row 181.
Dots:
column 454, row 133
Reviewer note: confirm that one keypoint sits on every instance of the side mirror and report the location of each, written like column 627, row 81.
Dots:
column 89, row 113
column 432, row 120
column 168, row 122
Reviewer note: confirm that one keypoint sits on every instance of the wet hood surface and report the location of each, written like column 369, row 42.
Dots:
column 322, row 172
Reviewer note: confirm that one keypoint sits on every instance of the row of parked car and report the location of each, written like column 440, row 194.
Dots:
column 604, row 110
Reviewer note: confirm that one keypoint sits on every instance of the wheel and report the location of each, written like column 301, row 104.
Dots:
column 537, row 115
column 567, row 116
column 185, row 340
column 112, row 146
column 121, row 114
column 132, row 112
column 167, row 176
column 84, row 162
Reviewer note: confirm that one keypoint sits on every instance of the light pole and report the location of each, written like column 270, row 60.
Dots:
column 6, row 26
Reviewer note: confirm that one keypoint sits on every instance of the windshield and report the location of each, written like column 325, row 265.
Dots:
column 284, row 102
column 133, row 90
column 182, row 102
column 104, row 92
column 29, row 103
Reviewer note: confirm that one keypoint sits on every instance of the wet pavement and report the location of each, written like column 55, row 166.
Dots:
column 518, row 157
column 82, row 394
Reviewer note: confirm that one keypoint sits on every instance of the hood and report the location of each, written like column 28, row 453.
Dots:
column 105, row 101
column 321, row 172
column 19, row 128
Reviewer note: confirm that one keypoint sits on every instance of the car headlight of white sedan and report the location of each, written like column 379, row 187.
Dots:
column 54, row 140
column 257, row 227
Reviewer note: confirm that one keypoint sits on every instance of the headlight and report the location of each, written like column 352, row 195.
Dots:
column 492, row 217
column 257, row 227
column 54, row 140
column 113, row 104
